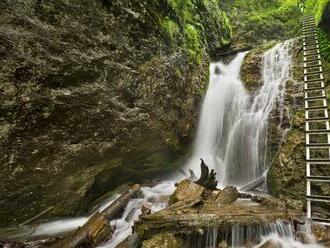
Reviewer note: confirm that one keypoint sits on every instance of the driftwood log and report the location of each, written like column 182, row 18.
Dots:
column 254, row 184
column 97, row 229
column 207, row 178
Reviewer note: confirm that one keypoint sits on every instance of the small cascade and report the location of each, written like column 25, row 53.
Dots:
column 255, row 236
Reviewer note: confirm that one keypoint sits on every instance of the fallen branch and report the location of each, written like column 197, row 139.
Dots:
column 34, row 218
column 253, row 185
column 97, row 229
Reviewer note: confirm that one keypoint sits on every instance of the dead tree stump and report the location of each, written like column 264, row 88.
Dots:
column 207, row 178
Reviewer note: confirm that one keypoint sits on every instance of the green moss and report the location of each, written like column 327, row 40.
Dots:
column 165, row 240
column 170, row 27
column 197, row 26
column 193, row 43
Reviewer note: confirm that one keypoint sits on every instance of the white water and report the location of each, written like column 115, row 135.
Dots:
column 232, row 131
column 231, row 138
column 279, row 232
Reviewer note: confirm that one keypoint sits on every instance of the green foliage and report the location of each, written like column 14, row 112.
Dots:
column 315, row 7
column 195, row 25
column 170, row 27
column 193, row 42
column 257, row 21
column 324, row 43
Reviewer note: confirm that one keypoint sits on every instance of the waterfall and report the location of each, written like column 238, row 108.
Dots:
column 232, row 131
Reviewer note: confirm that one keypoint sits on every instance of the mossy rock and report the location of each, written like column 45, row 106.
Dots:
column 164, row 240
column 251, row 67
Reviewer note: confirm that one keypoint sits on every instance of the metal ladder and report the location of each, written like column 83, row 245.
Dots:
column 316, row 119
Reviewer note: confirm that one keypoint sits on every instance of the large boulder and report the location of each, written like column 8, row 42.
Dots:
column 226, row 196
column 186, row 190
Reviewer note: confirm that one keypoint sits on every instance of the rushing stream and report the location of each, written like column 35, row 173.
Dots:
column 231, row 138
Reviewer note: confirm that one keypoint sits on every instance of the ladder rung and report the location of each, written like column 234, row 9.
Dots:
column 313, row 73
column 311, row 60
column 310, row 36
column 310, row 39
column 312, row 66
column 319, row 178
column 316, row 107
column 314, row 80
column 310, row 32
column 318, row 160
column 311, row 43
column 308, row 28
column 318, row 198
column 315, row 88
column 321, row 220
column 315, row 97
column 311, row 49
column 318, row 145
column 317, row 131
column 316, row 119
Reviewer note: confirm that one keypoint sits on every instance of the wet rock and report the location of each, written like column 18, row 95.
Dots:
column 129, row 242
column 272, row 244
column 251, row 67
column 165, row 240
column 322, row 234
column 223, row 244
column 186, row 190
column 305, row 238
column 146, row 209
column 226, row 196
column 269, row 202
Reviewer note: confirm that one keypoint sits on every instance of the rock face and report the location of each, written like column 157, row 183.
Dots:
column 251, row 67
column 95, row 93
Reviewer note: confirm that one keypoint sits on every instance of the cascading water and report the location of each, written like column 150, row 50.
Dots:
column 232, row 132
column 231, row 138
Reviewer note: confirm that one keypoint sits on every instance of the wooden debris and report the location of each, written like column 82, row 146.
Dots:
column 253, row 185
column 36, row 217
column 207, row 178
column 97, row 229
